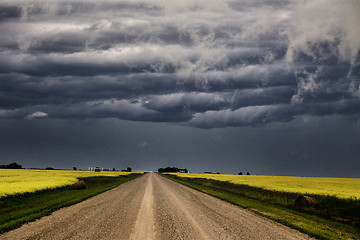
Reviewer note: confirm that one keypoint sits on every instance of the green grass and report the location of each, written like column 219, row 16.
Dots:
column 336, row 219
column 15, row 210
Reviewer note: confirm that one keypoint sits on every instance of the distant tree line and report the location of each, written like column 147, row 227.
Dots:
column 240, row 173
column 99, row 169
column 11, row 166
column 172, row 169
column 128, row 169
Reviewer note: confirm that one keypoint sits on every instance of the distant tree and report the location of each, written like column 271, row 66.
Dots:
column 49, row 168
column 128, row 169
column 74, row 168
column 217, row 172
column 11, row 166
column 240, row 173
column 247, row 173
column 114, row 169
column 168, row 169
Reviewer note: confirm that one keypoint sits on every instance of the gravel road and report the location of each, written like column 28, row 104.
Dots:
column 153, row 207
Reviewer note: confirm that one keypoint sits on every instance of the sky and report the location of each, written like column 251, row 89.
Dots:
column 270, row 87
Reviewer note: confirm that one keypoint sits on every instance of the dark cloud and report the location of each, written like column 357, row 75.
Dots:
column 8, row 12
column 204, row 64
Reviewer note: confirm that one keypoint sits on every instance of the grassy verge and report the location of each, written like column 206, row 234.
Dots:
column 16, row 210
column 276, row 206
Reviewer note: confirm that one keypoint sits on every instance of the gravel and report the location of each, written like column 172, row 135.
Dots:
column 153, row 207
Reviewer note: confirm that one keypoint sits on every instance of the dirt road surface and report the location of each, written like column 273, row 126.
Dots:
column 153, row 207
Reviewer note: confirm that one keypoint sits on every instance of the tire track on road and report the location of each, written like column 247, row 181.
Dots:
column 144, row 225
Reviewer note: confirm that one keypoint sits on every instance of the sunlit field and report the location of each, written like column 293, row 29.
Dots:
column 15, row 181
column 275, row 196
column 338, row 187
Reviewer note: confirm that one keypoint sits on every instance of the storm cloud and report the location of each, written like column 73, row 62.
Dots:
column 270, row 87
column 204, row 64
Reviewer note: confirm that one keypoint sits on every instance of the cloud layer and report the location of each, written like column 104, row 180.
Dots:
column 200, row 63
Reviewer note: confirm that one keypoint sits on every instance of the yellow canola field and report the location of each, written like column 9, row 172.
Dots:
column 14, row 181
column 338, row 187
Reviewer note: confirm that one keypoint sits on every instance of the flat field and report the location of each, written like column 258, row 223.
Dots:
column 30, row 194
column 152, row 207
column 334, row 218
column 345, row 188
column 18, row 181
